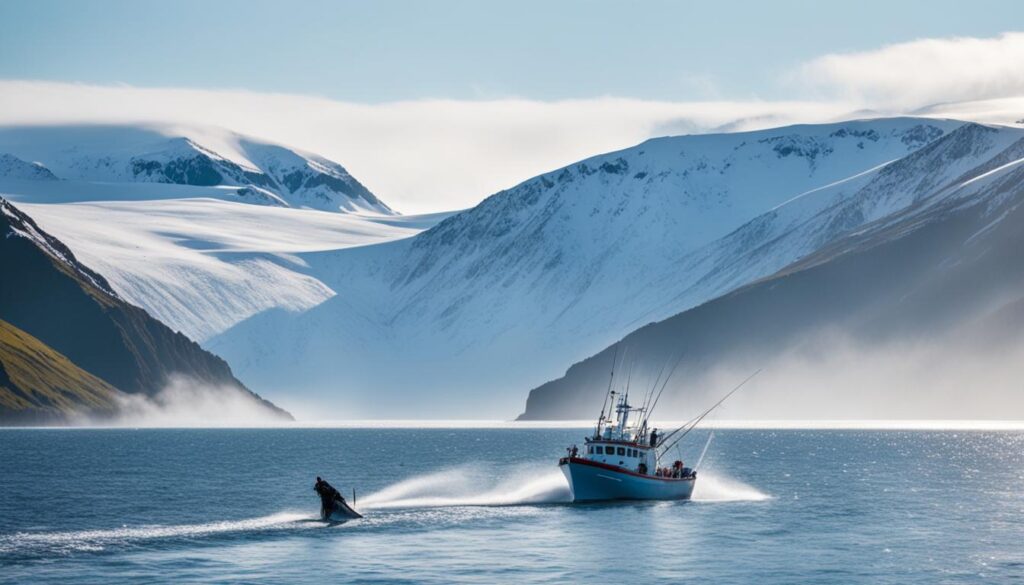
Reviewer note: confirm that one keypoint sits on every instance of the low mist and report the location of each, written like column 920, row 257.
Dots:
column 835, row 377
column 185, row 402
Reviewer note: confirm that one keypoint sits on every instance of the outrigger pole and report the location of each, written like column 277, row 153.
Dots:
column 647, row 415
column 692, row 424
column 650, row 393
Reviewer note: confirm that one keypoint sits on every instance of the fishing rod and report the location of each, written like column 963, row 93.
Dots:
column 642, row 430
column 668, row 436
column 654, row 386
column 664, row 385
column 706, row 412
column 693, row 422
column 696, row 419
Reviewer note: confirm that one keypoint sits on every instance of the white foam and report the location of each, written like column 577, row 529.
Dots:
column 92, row 540
column 462, row 486
column 714, row 487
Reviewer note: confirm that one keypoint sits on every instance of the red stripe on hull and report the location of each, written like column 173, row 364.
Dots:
column 617, row 469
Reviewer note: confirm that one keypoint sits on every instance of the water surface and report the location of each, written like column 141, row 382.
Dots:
column 488, row 505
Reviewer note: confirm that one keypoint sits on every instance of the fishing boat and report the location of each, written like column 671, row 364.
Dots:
column 622, row 462
column 626, row 460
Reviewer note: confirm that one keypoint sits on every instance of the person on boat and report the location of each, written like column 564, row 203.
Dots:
column 574, row 452
column 654, row 438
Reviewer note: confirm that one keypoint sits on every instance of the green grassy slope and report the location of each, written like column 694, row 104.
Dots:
column 39, row 385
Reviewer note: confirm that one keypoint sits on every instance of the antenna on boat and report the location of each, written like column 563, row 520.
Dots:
column 629, row 378
column 692, row 424
column 611, row 378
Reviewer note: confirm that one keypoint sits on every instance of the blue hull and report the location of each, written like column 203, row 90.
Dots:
column 594, row 482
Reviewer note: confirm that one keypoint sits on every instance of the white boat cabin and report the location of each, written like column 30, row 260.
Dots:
column 632, row 447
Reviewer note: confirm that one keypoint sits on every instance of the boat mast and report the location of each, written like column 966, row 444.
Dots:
column 611, row 378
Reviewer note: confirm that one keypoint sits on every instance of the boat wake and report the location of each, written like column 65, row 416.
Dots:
column 715, row 487
column 30, row 543
column 464, row 486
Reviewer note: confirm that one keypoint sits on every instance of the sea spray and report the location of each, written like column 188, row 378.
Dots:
column 94, row 540
column 716, row 487
column 468, row 486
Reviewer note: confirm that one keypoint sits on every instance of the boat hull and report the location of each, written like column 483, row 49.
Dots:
column 590, row 481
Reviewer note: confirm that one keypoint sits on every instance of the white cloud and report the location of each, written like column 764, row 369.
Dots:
column 922, row 72
column 420, row 155
column 433, row 155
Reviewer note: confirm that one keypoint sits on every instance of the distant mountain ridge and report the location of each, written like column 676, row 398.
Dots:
column 12, row 167
column 48, row 294
column 263, row 173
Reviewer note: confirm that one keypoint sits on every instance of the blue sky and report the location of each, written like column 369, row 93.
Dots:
column 379, row 51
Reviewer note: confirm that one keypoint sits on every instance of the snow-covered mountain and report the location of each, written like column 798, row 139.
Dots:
column 501, row 297
column 166, row 215
column 198, row 263
column 908, row 305
column 12, row 167
column 73, row 346
column 256, row 171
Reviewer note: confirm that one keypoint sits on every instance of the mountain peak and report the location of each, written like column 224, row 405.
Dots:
column 262, row 172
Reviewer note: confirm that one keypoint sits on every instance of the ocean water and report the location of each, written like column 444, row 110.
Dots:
column 489, row 506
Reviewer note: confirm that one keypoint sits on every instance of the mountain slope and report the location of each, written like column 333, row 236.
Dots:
column 49, row 294
column 256, row 172
column 197, row 264
column 503, row 295
column 39, row 385
column 12, row 167
column 913, row 314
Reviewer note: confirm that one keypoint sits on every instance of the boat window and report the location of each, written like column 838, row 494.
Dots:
column 599, row 450
column 590, row 449
column 632, row 452
column 622, row 450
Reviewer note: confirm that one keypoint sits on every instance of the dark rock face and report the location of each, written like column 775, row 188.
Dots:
column 46, row 292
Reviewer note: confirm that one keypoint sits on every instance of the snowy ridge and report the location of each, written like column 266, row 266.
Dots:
column 499, row 298
column 258, row 172
column 199, row 264
column 559, row 266
column 23, row 226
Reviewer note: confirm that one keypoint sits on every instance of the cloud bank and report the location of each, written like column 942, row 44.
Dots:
column 418, row 156
column 433, row 155
column 922, row 72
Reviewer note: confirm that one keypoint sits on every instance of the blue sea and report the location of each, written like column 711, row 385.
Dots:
column 462, row 505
